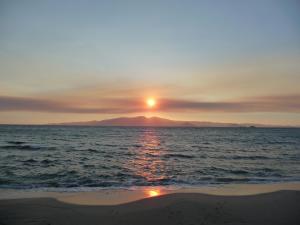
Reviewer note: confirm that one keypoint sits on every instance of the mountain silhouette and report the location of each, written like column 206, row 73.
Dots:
column 142, row 121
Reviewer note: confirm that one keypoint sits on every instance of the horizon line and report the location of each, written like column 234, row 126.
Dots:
column 234, row 124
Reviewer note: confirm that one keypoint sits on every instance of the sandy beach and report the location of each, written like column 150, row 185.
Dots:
column 252, row 204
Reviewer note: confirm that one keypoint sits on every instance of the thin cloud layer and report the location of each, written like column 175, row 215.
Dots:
column 289, row 104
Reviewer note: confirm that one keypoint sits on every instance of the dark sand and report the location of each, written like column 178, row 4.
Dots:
column 281, row 207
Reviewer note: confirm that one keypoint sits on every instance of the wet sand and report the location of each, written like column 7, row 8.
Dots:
column 218, row 207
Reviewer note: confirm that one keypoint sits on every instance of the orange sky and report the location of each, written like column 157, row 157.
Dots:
column 230, row 62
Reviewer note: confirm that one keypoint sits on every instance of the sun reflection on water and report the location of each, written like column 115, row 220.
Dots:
column 153, row 192
column 148, row 162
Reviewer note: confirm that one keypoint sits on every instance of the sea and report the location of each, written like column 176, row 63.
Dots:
column 79, row 157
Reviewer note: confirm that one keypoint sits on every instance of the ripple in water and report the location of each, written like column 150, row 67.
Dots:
column 105, row 157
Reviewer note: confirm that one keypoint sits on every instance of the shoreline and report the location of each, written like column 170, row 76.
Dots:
column 275, row 208
column 118, row 196
column 247, row 204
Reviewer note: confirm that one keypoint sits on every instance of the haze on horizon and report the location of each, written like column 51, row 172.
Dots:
column 222, row 61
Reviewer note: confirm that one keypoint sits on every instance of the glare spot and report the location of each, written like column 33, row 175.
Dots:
column 151, row 102
column 153, row 193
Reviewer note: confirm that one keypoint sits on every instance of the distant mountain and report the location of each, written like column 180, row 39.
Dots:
column 142, row 121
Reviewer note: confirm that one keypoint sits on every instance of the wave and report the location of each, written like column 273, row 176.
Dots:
column 47, row 161
column 110, row 145
column 42, row 162
column 230, row 179
column 174, row 155
column 225, row 170
column 88, row 166
column 251, row 157
column 16, row 142
column 242, row 157
column 30, row 161
column 91, row 150
column 282, row 142
column 137, row 145
column 26, row 147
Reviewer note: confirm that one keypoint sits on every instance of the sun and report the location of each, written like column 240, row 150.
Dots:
column 151, row 102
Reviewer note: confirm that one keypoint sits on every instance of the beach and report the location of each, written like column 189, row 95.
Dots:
column 231, row 204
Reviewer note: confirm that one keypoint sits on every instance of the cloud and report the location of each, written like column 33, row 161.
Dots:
column 44, row 105
column 259, row 104
column 289, row 103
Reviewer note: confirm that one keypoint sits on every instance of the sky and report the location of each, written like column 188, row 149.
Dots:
column 207, row 60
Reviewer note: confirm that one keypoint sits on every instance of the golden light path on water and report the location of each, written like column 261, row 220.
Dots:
column 147, row 162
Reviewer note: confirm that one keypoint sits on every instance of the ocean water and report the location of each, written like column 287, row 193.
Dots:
column 112, row 157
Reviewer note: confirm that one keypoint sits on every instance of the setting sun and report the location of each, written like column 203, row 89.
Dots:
column 151, row 102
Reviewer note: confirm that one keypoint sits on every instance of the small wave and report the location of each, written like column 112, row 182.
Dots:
column 225, row 170
column 178, row 156
column 88, row 166
column 251, row 157
column 46, row 161
column 269, row 174
column 281, row 142
column 110, row 145
column 137, row 145
column 239, row 171
column 127, row 153
column 47, row 176
column 30, row 161
column 4, row 181
column 21, row 147
column 230, row 179
column 268, row 170
column 27, row 147
column 159, row 181
column 121, row 174
column 16, row 142
column 91, row 150
column 151, row 155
